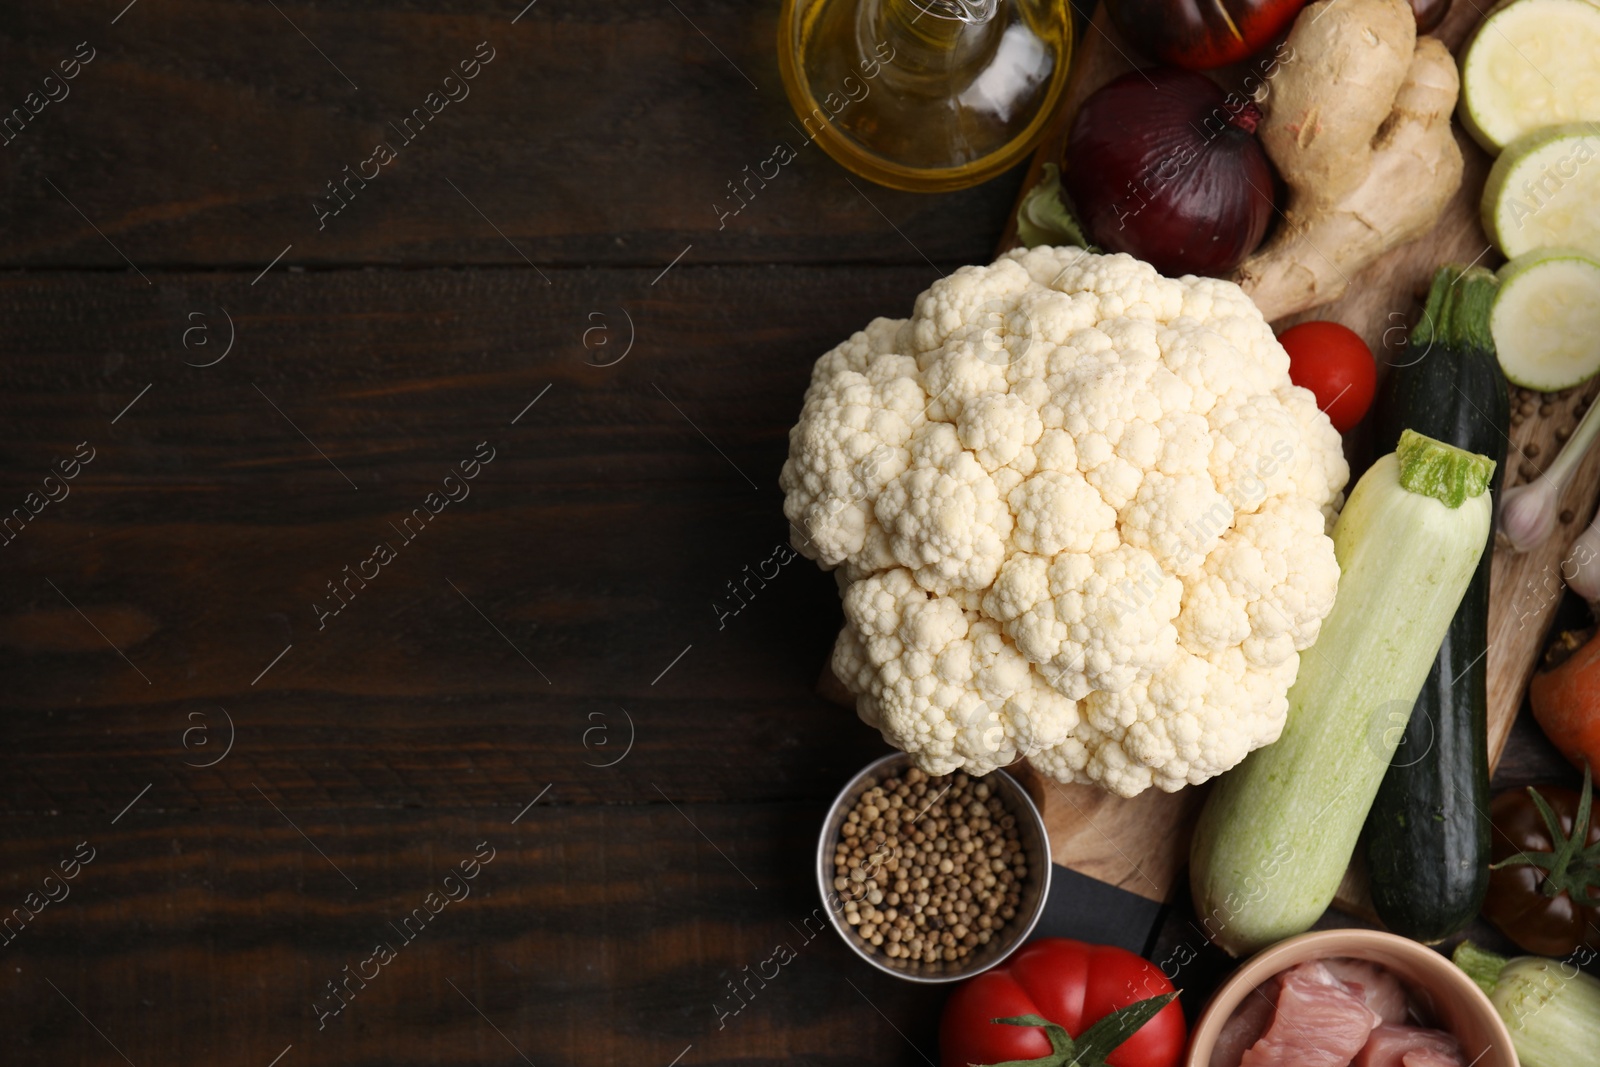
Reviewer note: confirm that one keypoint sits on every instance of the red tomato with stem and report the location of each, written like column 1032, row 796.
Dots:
column 1067, row 982
column 1334, row 363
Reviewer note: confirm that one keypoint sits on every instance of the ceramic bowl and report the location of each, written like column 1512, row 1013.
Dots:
column 1451, row 998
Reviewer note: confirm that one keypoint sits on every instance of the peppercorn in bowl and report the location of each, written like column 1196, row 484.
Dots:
column 932, row 879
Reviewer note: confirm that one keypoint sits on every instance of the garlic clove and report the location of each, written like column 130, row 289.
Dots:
column 1581, row 568
column 1528, row 514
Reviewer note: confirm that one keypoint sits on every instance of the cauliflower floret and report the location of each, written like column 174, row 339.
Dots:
column 860, row 411
column 1163, row 732
column 936, row 683
column 1266, row 588
column 947, row 522
column 958, row 303
column 1127, row 288
column 1000, row 430
column 1179, row 520
column 1320, row 470
column 1090, row 621
column 1060, row 512
column 1252, row 449
column 1079, row 514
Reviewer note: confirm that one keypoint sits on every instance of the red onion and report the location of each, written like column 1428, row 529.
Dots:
column 1429, row 13
column 1163, row 165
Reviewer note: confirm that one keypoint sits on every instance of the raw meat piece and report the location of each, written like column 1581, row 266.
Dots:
column 1246, row 1025
column 1379, row 988
column 1319, row 1023
column 1427, row 1057
column 1410, row 1046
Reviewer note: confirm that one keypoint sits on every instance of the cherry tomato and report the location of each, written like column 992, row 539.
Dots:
column 1334, row 363
column 1070, row 983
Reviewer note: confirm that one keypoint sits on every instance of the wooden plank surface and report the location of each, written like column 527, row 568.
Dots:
column 595, row 934
column 595, row 150
column 597, row 540
column 203, row 133
column 418, row 721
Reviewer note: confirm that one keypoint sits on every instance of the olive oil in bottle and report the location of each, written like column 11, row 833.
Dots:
column 926, row 95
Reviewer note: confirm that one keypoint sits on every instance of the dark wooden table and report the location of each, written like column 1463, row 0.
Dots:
column 540, row 668
column 516, row 749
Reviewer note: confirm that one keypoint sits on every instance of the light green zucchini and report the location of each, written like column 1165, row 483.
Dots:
column 1278, row 831
column 1551, row 1007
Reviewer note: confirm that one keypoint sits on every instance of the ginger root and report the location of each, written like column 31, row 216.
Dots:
column 1358, row 125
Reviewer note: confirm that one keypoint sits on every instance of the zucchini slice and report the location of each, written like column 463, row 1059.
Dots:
column 1544, row 191
column 1546, row 319
column 1532, row 63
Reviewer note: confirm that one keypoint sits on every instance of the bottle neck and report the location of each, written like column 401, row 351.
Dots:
column 928, row 37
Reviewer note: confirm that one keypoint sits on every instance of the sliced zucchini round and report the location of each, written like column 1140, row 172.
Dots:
column 1532, row 63
column 1544, row 191
column 1546, row 319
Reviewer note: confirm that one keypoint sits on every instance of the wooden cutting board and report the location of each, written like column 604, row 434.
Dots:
column 1142, row 844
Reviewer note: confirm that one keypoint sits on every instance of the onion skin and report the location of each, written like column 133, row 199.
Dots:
column 1429, row 13
column 1164, row 166
column 1201, row 34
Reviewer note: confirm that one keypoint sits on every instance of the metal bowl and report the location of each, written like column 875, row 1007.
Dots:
column 1035, row 888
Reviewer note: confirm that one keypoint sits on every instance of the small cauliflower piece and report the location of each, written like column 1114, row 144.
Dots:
column 1078, row 513
column 863, row 404
column 1060, row 512
column 948, row 522
column 998, row 429
column 1283, row 575
column 1179, row 520
column 1089, row 621
column 948, row 687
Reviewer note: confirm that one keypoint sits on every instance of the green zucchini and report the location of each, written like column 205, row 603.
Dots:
column 1551, row 1008
column 1278, row 831
column 1427, row 841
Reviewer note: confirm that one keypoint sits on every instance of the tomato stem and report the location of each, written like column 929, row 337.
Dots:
column 1093, row 1045
column 1570, row 867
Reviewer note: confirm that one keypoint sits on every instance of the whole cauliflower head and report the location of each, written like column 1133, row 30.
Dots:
column 1079, row 514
